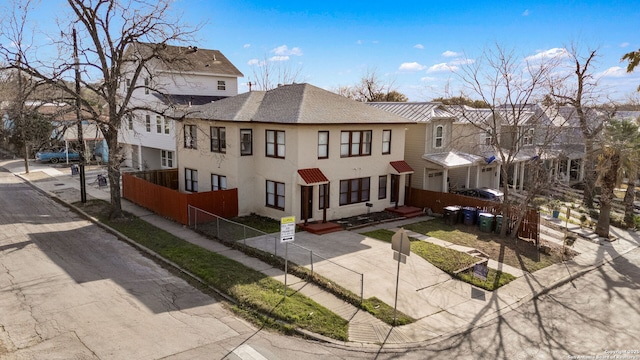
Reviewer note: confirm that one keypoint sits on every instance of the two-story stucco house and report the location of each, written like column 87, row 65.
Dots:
column 296, row 150
column 182, row 76
column 445, row 149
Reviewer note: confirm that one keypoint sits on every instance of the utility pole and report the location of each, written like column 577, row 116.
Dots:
column 21, row 115
column 83, row 187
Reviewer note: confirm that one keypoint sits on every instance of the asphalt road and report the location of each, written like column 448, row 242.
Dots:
column 69, row 290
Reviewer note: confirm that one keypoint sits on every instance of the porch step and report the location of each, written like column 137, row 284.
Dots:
column 406, row 211
column 321, row 228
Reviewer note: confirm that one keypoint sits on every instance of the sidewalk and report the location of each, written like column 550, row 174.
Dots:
column 441, row 306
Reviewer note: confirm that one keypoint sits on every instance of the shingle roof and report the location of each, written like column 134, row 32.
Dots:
column 294, row 104
column 189, row 59
column 416, row 111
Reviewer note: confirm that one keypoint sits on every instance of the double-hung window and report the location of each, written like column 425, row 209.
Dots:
column 323, row 144
column 246, row 142
column 386, row 142
column 218, row 182
column 130, row 121
column 146, row 86
column 159, row 124
column 191, row 180
column 528, row 137
column 275, row 144
column 218, row 139
column 222, row 85
column 382, row 187
column 354, row 191
column 275, row 194
column 355, row 143
column 147, row 122
column 190, row 137
column 438, row 137
column 167, row 158
column 488, row 137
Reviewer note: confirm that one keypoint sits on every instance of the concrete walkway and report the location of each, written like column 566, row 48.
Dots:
column 441, row 305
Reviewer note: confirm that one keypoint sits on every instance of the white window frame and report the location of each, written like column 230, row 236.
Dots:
column 166, row 158
column 437, row 137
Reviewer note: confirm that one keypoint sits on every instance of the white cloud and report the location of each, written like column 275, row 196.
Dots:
column 418, row 46
column 624, row 44
column 614, row 71
column 442, row 67
column 253, row 62
column 462, row 61
column 284, row 50
column 279, row 58
column 450, row 53
column 411, row 66
column 548, row 54
column 428, row 79
column 246, row 46
column 359, row 42
column 525, row 13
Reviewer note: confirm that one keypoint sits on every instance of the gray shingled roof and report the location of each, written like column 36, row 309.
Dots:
column 190, row 58
column 416, row 111
column 294, row 104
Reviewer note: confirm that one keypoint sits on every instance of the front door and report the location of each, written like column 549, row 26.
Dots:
column 395, row 188
column 306, row 203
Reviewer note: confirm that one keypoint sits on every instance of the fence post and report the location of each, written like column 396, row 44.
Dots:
column 311, row 254
column 218, row 227
column 244, row 235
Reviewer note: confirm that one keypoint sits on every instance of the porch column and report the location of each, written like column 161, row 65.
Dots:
column 581, row 177
column 521, row 184
column 466, row 183
column 568, row 174
column 556, row 167
column 478, row 176
column 496, row 177
column 515, row 175
column 140, row 156
column 445, row 182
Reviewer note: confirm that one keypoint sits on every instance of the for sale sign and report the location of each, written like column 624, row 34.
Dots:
column 287, row 229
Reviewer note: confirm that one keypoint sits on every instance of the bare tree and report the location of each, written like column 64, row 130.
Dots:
column 579, row 90
column 268, row 74
column 516, row 125
column 371, row 88
column 109, row 52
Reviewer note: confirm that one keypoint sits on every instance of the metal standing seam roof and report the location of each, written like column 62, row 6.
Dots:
column 312, row 176
column 415, row 111
column 454, row 159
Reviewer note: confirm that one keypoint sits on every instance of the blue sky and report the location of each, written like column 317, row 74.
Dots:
column 410, row 42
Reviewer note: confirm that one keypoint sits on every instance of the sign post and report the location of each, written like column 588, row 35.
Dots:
column 401, row 246
column 287, row 235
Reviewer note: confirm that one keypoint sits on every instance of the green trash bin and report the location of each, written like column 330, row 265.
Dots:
column 498, row 223
column 486, row 222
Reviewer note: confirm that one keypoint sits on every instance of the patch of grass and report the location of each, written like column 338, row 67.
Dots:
column 258, row 222
column 517, row 253
column 382, row 311
column 449, row 261
column 252, row 289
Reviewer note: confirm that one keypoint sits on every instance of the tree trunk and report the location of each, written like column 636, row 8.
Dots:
column 589, row 175
column 608, row 187
column 629, row 198
column 113, row 173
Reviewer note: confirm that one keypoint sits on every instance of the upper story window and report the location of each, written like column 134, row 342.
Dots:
column 488, row 137
column 323, row 144
column 218, row 139
column 191, row 180
column 386, row 142
column 130, row 121
column 166, row 126
column 146, row 85
column 355, row 143
column 527, row 138
column 438, row 136
column 275, row 143
column 128, row 84
column 222, row 85
column 246, row 142
column 147, row 122
column 354, row 191
column 159, row 125
column 275, row 194
column 190, row 137
column 218, row 182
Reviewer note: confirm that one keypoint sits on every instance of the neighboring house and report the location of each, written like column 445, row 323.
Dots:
column 296, row 150
column 446, row 151
column 185, row 76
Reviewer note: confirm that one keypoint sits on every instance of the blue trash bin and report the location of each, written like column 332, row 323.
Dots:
column 469, row 215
